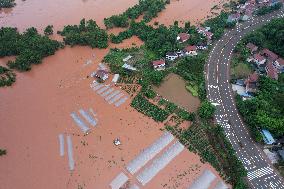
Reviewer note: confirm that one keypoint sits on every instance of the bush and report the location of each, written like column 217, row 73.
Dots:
column 144, row 106
column 7, row 77
column 183, row 114
column 3, row 152
column 206, row 110
column 48, row 30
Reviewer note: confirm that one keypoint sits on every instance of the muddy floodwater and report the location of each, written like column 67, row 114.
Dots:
column 173, row 89
column 36, row 109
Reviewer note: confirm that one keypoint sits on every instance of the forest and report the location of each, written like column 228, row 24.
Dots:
column 87, row 33
column 149, row 8
column 7, row 3
column 30, row 47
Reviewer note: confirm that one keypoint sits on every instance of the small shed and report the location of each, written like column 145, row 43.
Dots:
column 102, row 74
column 115, row 78
column 267, row 137
column 129, row 67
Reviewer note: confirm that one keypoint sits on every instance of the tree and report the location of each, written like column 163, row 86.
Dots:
column 7, row 3
column 206, row 110
column 3, row 152
column 48, row 30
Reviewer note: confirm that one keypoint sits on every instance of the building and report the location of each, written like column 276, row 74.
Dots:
column 159, row 64
column 127, row 58
column 205, row 32
column 129, row 67
column 271, row 71
column 251, row 83
column 102, row 74
column 234, row 17
column 279, row 64
column 252, row 48
column 190, row 50
column 267, row 137
column 183, row 37
column 201, row 46
column 259, row 59
column 171, row 56
column 240, row 82
column 115, row 78
column 180, row 53
column 269, row 54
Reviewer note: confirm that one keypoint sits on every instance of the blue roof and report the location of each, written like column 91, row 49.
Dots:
column 267, row 137
column 245, row 95
column 240, row 82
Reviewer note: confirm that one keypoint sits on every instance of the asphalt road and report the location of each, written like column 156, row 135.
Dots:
column 261, row 174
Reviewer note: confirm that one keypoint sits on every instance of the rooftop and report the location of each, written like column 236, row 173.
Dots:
column 158, row 62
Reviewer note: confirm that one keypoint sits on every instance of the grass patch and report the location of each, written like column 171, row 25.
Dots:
column 241, row 70
column 192, row 89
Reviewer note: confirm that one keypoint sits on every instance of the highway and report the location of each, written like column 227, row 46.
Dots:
column 261, row 174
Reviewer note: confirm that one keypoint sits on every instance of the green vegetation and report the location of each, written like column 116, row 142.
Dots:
column 48, row 30
column 192, row 89
column 29, row 47
column 3, row 152
column 241, row 70
column 7, row 77
column 191, row 70
column 206, row 110
column 144, row 106
column 86, row 33
column 217, row 25
column 268, row 9
column 7, row 3
column 149, row 8
column 269, row 36
column 266, row 110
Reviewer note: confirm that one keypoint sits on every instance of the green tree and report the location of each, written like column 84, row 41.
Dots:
column 206, row 110
column 48, row 30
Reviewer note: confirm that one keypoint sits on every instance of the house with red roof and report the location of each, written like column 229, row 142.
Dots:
column 271, row 70
column 251, row 82
column 259, row 59
column 159, row 64
column 190, row 50
column 269, row 54
column 183, row 37
column 205, row 32
column 279, row 64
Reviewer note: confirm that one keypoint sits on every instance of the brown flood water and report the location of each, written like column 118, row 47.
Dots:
column 173, row 89
column 36, row 109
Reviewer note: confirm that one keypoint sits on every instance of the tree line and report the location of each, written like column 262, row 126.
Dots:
column 149, row 8
column 86, row 33
column 30, row 47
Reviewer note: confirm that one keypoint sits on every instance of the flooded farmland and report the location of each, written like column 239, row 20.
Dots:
column 36, row 109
